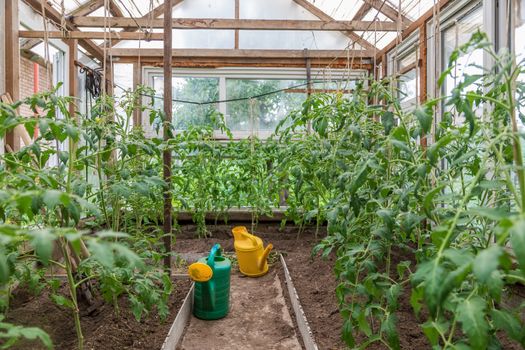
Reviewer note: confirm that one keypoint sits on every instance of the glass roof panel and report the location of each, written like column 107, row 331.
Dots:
column 205, row 9
column 273, row 9
column 340, row 10
column 292, row 40
column 69, row 5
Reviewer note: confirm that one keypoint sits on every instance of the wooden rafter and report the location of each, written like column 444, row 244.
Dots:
column 325, row 17
column 87, row 8
column 29, row 43
column 155, row 13
column 56, row 17
column 114, row 9
column 412, row 28
column 363, row 10
column 390, row 12
column 241, row 53
column 232, row 24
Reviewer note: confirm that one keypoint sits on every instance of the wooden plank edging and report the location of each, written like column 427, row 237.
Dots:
column 179, row 324
column 300, row 317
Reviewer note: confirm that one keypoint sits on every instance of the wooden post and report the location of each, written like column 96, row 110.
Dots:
column 137, row 80
column 423, row 71
column 73, row 76
column 236, row 44
column 166, row 154
column 12, row 63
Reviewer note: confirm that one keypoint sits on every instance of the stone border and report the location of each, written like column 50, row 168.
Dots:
column 181, row 321
column 300, row 317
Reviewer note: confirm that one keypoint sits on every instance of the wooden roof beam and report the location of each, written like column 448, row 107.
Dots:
column 56, row 17
column 390, row 12
column 314, row 10
column 87, row 8
column 231, row 24
column 363, row 10
column 114, row 9
column 242, row 53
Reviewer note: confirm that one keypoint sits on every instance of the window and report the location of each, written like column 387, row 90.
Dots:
column 244, row 116
column 190, row 89
column 402, row 65
column 264, row 113
column 454, row 35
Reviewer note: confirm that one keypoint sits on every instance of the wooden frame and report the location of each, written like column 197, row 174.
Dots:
column 234, row 24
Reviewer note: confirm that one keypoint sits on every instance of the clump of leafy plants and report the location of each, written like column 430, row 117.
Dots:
column 454, row 208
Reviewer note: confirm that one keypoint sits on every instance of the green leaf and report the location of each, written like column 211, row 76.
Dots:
column 52, row 198
column 471, row 314
column 424, row 116
column 387, row 119
column 505, row 321
column 42, row 241
column 486, row 262
column 388, row 326
column 102, row 252
column 62, row 301
column 347, row 336
column 517, row 240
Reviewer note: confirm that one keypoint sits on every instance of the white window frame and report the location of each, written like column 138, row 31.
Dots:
column 408, row 47
column 246, row 73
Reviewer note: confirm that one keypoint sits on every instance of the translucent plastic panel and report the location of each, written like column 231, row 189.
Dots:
column 133, row 8
column 190, row 89
column 69, row 5
column 261, row 114
column 293, row 40
column 205, row 9
column 189, row 39
column 379, row 39
column 340, row 10
column 273, row 9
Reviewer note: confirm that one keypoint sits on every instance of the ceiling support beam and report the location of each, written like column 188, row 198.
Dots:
column 390, row 12
column 284, row 54
column 155, row 13
column 325, row 17
column 87, row 8
column 56, row 17
column 412, row 28
column 232, row 24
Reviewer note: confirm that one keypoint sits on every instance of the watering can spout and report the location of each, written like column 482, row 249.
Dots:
column 264, row 256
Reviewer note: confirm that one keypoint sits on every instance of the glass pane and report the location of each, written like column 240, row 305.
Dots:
column 264, row 113
column 407, row 89
column 456, row 36
column 190, row 89
column 453, row 37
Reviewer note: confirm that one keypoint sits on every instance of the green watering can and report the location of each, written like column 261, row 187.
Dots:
column 211, row 297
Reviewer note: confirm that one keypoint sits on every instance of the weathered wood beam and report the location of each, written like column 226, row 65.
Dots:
column 237, row 16
column 87, row 8
column 325, row 17
column 12, row 63
column 232, row 24
column 217, row 62
column 362, row 12
column 390, row 12
column 232, row 53
column 114, row 9
column 56, row 17
column 29, row 43
column 155, row 13
column 412, row 28
column 166, row 154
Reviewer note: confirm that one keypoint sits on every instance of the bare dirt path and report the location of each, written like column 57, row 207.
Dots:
column 258, row 319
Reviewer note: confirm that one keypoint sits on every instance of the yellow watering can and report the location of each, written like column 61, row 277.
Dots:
column 251, row 255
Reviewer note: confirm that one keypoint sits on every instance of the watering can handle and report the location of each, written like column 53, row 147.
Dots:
column 215, row 251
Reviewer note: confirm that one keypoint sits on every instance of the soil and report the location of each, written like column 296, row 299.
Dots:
column 314, row 281
column 258, row 319
column 102, row 329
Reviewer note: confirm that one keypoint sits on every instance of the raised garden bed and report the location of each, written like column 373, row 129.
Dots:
column 102, row 328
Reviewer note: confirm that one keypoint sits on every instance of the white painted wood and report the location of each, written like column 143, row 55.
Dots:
column 300, row 317
column 180, row 322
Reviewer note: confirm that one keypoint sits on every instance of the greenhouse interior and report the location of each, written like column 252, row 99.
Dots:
column 248, row 174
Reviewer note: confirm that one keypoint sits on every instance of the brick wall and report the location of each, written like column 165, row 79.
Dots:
column 27, row 82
